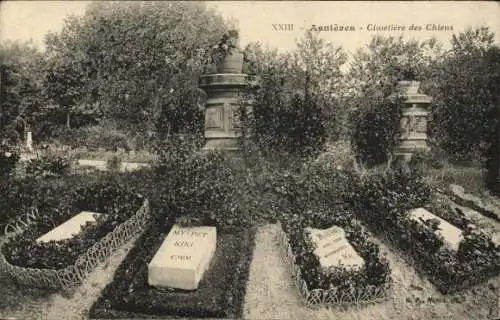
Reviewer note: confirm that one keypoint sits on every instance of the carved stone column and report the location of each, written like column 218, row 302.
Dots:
column 413, row 126
column 222, row 125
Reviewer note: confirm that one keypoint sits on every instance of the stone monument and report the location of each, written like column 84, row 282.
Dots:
column 71, row 227
column 224, row 89
column 333, row 249
column 183, row 258
column 29, row 141
column 413, row 123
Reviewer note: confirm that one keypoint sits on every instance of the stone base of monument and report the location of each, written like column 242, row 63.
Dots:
column 183, row 258
column 70, row 228
column 222, row 145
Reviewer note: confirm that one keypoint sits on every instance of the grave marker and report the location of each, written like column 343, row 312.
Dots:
column 70, row 228
column 451, row 234
column 333, row 249
column 183, row 258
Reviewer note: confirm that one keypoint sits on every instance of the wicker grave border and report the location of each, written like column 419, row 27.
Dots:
column 315, row 298
column 73, row 275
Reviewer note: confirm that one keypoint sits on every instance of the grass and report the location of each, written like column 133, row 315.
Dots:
column 141, row 156
column 83, row 153
column 472, row 178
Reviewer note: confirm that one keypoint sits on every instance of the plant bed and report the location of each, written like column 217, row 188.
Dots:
column 66, row 263
column 340, row 287
column 313, row 197
column 383, row 201
column 220, row 293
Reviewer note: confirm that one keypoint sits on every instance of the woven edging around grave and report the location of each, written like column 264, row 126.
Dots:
column 74, row 275
column 315, row 298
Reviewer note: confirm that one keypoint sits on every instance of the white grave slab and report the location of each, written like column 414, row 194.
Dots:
column 333, row 249
column 451, row 234
column 69, row 228
column 183, row 257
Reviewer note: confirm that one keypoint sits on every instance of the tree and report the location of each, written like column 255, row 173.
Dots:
column 127, row 59
column 21, row 92
column 466, row 95
column 294, row 106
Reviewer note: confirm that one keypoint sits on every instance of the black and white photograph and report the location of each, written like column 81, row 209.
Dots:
column 256, row 160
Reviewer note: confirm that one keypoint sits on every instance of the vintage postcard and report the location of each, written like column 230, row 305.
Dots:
column 250, row 160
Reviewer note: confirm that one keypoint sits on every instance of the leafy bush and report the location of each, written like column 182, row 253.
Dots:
column 375, row 130
column 8, row 161
column 114, row 164
column 284, row 122
column 338, row 154
column 464, row 114
column 117, row 201
column 220, row 293
column 201, row 187
column 382, row 202
column 492, row 163
column 48, row 164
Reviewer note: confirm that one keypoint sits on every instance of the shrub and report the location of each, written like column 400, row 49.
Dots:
column 375, row 130
column 48, row 164
column 103, row 136
column 8, row 160
column 338, row 154
column 284, row 122
column 114, row 164
column 202, row 188
column 492, row 163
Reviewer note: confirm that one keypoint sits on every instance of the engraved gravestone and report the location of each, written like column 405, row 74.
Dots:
column 183, row 258
column 451, row 234
column 333, row 249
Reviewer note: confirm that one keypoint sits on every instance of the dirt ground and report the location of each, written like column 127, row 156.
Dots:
column 271, row 293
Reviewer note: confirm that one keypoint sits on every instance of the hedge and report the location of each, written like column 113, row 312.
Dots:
column 220, row 293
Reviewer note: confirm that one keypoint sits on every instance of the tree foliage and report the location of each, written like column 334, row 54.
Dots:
column 466, row 95
column 294, row 108
column 21, row 100
column 128, row 61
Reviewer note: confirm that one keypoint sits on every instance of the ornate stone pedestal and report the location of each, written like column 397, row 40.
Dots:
column 413, row 126
column 222, row 125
